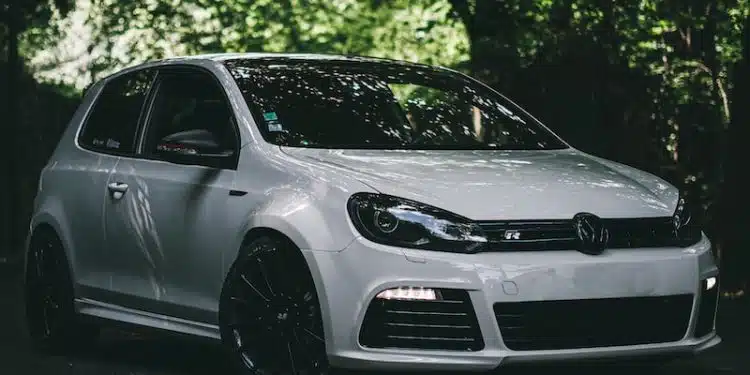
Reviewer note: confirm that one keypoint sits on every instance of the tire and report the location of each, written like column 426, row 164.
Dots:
column 51, row 320
column 269, row 313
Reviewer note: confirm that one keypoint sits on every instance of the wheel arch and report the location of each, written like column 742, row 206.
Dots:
column 255, row 233
column 308, row 229
column 45, row 222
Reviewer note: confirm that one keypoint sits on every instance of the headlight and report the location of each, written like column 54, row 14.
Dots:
column 401, row 222
column 687, row 227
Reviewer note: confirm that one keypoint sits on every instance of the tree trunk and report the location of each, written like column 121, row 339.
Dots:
column 735, row 258
column 10, row 206
column 491, row 27
column 711, row 139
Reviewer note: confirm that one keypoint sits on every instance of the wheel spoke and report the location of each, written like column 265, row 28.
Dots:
column 237, row 325
column 244, row 278
column 303, row 348
column 239, row 341
column 240, row 301
column 45, row 321
column 278, row 265
column 264, row 274
column 291, row 357
column 312, row 334
column 39, row 265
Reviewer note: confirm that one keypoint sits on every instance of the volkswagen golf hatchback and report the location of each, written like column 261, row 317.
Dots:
column 315, row 212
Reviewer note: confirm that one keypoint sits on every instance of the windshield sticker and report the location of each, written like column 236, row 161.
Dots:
column 274, row 126
column 270, row 116
column 111, row 143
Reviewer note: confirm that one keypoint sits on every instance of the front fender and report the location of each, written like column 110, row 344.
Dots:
column 296, row 197
column 310, row 222
column 307, row 224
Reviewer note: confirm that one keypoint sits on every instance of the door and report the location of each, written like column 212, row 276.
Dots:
column 109, row 132
column 166, row 215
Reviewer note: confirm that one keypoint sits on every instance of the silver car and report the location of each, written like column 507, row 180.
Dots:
column 316, row 212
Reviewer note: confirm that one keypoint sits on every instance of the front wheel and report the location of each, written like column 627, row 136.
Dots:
column 269, row 312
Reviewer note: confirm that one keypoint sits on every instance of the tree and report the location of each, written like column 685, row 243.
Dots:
column 16, row 17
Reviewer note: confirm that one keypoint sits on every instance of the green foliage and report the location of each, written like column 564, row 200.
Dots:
column 35, row 17
column 417, row 30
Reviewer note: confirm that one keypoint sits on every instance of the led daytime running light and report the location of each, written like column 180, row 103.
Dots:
column 409, row 293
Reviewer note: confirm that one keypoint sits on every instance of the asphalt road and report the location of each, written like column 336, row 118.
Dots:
column 126, row 352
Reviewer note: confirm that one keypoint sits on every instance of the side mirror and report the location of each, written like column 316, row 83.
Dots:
column 193, row 146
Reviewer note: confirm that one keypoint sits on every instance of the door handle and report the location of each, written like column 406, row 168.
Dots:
column 117, row 189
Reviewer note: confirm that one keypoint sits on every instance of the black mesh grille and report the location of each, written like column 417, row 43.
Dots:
column 574, row 324
column 706, row 310
column 548, row 235
column 448, row 324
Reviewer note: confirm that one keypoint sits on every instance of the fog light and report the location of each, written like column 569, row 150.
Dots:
column 409, row 293
column 710, row 283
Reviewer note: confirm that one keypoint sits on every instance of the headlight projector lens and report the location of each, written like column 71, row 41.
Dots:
column 385, row 221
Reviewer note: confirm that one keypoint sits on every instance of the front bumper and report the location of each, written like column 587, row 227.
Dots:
column 348, row 280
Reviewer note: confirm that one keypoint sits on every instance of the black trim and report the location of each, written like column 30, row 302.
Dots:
column 148, row 305
column 146, row 113
column 237, row 193
column 560, row 235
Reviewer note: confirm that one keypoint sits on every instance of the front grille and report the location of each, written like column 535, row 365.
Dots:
column 550, row 235
column 590, row 323
column 706, row 310
column 447, row 324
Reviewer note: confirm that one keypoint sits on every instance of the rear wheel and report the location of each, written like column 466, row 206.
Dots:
column 270, row 314
column 52, row 322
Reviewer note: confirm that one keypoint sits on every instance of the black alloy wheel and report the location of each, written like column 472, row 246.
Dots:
column 52, row 322
column 269, row 312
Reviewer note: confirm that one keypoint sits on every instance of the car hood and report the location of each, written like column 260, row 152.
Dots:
column 504, row 185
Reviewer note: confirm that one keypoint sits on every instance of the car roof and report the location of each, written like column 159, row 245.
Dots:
column 288, row 56
column 221, row 57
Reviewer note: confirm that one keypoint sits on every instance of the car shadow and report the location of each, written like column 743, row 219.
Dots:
column 140, row 352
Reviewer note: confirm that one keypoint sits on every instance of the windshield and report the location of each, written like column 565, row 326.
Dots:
column 379, row 105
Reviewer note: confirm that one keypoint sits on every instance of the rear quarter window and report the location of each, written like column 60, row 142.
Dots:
column 112, row 124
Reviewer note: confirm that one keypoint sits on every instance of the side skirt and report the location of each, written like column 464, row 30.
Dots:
column 108, row 311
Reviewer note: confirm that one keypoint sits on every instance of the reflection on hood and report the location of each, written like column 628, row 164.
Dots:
column 505, row 185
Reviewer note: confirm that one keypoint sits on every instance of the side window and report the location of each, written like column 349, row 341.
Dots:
column 191, row 120
column 112, row 125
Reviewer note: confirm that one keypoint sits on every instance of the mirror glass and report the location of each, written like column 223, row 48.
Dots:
column 197, row 142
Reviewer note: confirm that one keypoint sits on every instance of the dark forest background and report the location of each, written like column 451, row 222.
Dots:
column 659, row 85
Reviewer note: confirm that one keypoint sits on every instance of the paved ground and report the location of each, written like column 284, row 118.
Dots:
column 126, row 353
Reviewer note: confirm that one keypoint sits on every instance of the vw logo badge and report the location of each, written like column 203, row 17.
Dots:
column 592, row 235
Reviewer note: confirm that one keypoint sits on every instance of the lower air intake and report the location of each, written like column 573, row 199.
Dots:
column 448, row 323
column 591, row 323
column 706, row 310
